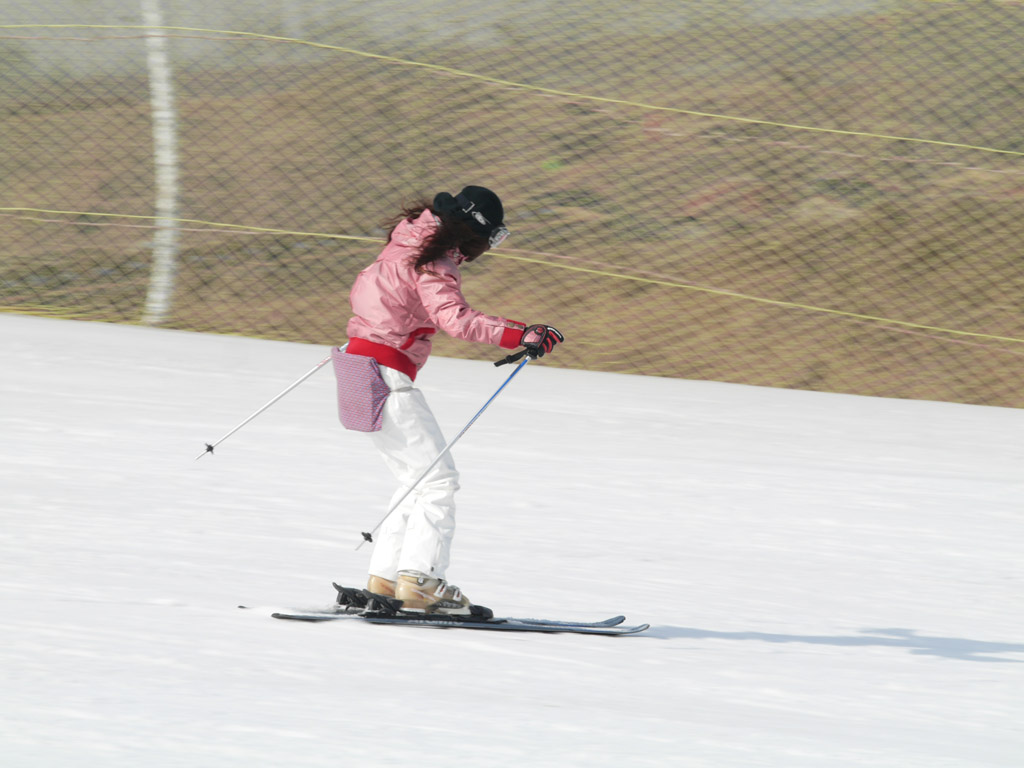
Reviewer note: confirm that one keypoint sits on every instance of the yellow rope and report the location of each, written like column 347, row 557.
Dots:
column 506, row 254
column 761, row 300
column 215, row 224
column 523, row 86
column 47, row 310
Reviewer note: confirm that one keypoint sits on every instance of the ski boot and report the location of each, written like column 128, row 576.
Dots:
column 420, row 593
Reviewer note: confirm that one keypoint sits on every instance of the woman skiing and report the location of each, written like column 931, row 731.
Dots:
column 410, row 292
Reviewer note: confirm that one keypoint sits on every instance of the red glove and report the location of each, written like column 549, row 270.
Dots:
column 540, row 339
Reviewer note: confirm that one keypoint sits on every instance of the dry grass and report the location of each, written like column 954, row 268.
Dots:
column 907, row 231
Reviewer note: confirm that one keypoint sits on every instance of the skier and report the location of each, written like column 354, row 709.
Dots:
column 410, row 292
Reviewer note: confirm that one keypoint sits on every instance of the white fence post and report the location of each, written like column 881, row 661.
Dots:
column 165, row 155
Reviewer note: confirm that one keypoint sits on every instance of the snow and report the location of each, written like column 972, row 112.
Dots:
column 831, row 580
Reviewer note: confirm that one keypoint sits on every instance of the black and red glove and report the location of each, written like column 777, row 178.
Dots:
column 540, row 339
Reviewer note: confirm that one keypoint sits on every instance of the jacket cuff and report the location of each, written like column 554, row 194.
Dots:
column 512, row 335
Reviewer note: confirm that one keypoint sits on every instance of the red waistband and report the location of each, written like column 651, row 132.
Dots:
column 383, row 354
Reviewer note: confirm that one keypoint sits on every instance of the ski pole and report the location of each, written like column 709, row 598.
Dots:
column 368, row 535
column 310, row 372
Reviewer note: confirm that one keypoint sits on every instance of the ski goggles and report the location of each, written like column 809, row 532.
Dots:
column 498, row 236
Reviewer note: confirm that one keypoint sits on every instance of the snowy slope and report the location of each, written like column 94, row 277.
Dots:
column 831, row 580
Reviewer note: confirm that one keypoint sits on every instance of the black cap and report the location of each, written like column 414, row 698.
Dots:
column 478, row 206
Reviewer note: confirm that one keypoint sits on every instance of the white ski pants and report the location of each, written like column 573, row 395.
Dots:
column 417, row 536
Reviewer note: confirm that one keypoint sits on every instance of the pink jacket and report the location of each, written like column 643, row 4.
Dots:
column 397, row 309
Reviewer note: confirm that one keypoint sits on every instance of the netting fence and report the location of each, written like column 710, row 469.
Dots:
column 825, row 195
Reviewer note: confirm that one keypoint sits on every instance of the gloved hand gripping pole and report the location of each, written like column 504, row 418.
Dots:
column 368, row 535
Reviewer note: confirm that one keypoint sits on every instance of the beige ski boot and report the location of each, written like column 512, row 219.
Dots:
column 380, row 586
column 427, row 594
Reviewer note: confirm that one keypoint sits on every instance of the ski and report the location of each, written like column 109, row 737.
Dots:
column 356, row 600
column 354, row 603
column 612, row 626
column 614, row 621
column 339, row 612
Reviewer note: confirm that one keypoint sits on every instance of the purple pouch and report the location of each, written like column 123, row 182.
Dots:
column 361, row 391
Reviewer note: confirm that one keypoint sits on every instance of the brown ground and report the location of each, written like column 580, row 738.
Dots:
column 646, row 219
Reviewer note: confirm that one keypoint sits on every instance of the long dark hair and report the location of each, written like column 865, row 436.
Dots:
column 449, row 235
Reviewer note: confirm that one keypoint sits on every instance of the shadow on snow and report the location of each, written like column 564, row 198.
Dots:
column 947, row 647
